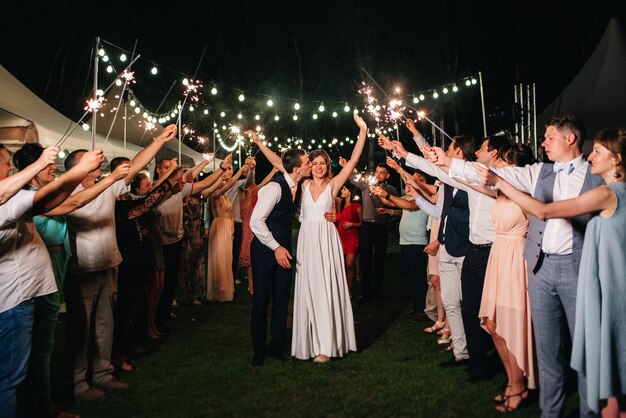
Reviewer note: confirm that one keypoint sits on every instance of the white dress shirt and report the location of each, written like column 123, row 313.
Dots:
column 558, row 235
column 481, row 229
column 25, row 268
column 269, row 196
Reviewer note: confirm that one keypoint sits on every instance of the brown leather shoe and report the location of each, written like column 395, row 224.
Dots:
column 91, row 395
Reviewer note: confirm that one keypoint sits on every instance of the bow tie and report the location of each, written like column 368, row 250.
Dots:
column 566, row 168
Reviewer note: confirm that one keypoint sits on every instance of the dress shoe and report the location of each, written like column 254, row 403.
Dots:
column 257, row 361
column 454, row 362
column 91, row 395
column 112, row 384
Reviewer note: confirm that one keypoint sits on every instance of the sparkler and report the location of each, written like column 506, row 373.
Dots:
column 128, row 76
column 193, row 90
column 209, row 156
column 94, row 104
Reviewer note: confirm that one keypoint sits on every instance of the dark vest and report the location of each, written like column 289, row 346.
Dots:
column 543, row 192
column 456, row 233
column 281, row 217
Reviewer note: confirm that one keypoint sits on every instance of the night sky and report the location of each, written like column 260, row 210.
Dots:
column 312, row 50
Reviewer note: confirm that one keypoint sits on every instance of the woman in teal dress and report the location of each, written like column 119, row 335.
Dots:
column 600, row 327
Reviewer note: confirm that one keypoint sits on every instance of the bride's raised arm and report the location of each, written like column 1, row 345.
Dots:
column 271, row 156
column 338, row 181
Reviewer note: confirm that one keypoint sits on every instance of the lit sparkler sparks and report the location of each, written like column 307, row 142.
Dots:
column 193, row 90
column 128, row 76
column 209, row 156
column 149, row 125
column 94, row 104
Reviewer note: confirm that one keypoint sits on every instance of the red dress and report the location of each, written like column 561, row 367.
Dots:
column 349, row 237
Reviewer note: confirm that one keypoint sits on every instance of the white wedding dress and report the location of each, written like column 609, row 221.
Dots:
column 322, row 312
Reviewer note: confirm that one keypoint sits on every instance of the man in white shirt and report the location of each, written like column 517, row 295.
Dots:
column 25, row 269
column 91, row 283
column 270, row 253
column 552, row 251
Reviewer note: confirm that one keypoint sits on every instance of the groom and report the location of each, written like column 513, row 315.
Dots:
column 270, row 252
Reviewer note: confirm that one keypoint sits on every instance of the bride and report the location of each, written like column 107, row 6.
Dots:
column 323, row 325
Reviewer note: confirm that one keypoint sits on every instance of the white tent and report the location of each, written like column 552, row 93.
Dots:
column 24, row 117
column 598, row 92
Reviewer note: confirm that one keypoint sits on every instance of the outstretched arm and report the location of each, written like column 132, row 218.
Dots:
column 207, row 182
column 338, row 181
column 11, row 185
column 147, row 154
column 85, row 196
column 194, row 172
column 54, row 193
column 271, row 156
column 601, row 199
column 229, row 183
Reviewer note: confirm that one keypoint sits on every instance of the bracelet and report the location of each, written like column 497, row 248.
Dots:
column 222, row 167
column 388, row 196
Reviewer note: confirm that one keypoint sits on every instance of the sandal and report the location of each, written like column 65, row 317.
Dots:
column 435, row 327
column 501, row 397
column 506, row 408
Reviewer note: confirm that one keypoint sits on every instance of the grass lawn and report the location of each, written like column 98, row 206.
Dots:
column 202, row 369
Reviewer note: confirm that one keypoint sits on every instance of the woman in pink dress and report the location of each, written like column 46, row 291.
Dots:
column 349, row 220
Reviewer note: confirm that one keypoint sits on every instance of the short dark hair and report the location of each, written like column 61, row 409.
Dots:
column 292, row 158
column 496, row 142
column 519, row 155
column 71, row 160
column 117, row 161
column 572, row 123
column 468, row 145
column 385, row 166
column 25, row 156
column 134, row 184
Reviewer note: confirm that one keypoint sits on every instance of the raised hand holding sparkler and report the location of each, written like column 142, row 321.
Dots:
column 342, row 161
column 377, row 191
column 168, row 133
column 393, row 164
column 437, row 155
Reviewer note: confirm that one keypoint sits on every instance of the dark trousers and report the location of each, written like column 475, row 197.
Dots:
column 472, row 280
column 415, row 261
column 171, row 255
column 236, row 248
column 271, row 282
column 373, row 248
column 130, row 308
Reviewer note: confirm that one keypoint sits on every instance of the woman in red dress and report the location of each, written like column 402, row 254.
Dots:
column 349, row 220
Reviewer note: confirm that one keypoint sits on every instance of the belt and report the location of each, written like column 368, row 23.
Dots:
column 480, row 246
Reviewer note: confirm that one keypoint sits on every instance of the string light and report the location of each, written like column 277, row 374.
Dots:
column 321, row 108
column 468, row 83
column 455, row 88
column 445, row 90
column 346, row 108
column 154, row 70
column 222, row 114
column 214, row 91
column 474, row 80
column 296, row 106
column 270, row 103
column 314, row 115
column 123, row 57
column 241, row 97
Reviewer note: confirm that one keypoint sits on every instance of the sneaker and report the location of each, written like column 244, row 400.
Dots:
column 113, row 384
column 91, row 395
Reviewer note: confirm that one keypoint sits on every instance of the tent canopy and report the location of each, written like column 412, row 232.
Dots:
column 598, row 92
column 24, row 117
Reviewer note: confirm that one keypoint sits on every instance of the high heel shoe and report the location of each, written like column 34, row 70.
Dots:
column 435, row 327
column 506, row 407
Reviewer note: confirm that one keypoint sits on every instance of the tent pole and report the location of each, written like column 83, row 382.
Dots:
column 180, row 136
column 94, row 115
column 482, row 101
column 214, row 151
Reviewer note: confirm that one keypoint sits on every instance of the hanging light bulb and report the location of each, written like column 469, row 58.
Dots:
column 241, row 97
column 296, row 106
column 468, row 82
column 435, row 94
column 257, row 117
column 416, row 100
column 222, row 114
column 206, row 111
column 191, row 108
column 99, row 92
column 346, row 108
column 109, row 69
column 334, row 114
column 123, row 57
column 101, row 52
column 276, row 118
column 270, row 103
column 154, row 70
column 314, row 115
column 295, row 117
column 185, row 81
column 445, row 90
column 455, row 88
column 214, row 90
column 118, row 82
column 321, row 108
column 422, row 97
column 239, row 116
column 474, row 80
column 85, row 128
